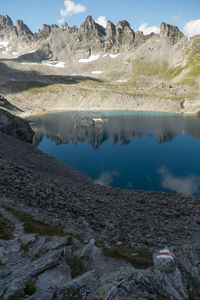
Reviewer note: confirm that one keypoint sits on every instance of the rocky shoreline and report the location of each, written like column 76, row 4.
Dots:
column 92, row 218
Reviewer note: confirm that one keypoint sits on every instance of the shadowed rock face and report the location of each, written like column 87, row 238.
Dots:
column 170, row 32
column 15, row 126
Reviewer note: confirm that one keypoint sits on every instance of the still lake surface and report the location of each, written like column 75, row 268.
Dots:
column 132, row 150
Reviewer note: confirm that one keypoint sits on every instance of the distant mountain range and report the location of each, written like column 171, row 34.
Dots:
column 165, row 64
column 60, row 43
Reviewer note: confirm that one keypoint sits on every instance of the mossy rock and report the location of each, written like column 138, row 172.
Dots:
column 139, row 258
column 32, row 225
column 5, row 228
column 77, row 267
column 30, row 288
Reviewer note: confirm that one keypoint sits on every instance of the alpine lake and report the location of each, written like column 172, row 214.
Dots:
column 126, row 149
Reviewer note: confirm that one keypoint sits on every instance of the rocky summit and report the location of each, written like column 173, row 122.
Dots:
column 89, row 38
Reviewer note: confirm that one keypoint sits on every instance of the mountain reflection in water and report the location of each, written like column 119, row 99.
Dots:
column 147, row 166
column 95, row 128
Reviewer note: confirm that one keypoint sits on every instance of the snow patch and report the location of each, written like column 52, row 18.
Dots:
column 4, row 44
column 122, row 80
column 56, row 64
column 91, row 58
column 114, row 55
column 97, row 120
column 105, row 55
column 14, row 53
column 97, row 72
column 33, row 51
column 27, row 63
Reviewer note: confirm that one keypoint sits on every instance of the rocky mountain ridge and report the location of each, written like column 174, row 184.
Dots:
column 90, row 36
column 157, row 72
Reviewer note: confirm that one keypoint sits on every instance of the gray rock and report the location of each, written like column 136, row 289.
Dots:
column 17, row 286
column 80, row 286
column 170, row 32
column 53, row 278
column 15, row 126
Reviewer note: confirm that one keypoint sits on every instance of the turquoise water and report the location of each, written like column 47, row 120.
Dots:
column 132, row 150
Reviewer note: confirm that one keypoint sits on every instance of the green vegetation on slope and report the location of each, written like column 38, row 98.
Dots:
column 139, row 258
column 155, row 68
column 5, row 228
column 32, row 225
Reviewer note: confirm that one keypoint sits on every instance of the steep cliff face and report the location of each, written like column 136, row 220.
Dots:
column 89, row 37
column 71, row 43
column 170, row 32
column 13, row 37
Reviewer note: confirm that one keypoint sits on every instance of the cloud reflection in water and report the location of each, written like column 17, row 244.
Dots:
column 106, row 178
column 186, row 185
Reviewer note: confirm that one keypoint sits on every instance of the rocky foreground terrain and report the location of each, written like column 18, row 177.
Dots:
column 97, row 68
column 64, row 237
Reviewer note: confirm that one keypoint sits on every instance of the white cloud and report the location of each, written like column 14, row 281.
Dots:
column 186, row 185
column 70, row 9
column 101, row 20
column 147, row 30
column 192, row 28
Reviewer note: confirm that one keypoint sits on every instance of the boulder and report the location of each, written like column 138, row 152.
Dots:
column 15, row 126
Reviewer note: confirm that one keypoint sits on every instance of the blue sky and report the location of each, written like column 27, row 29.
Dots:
column 37, row 12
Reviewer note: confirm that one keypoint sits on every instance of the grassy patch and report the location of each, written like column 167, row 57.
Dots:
column 5, row 228
column 16, row 297
column 195, row 49
column 195, row 71
column 139, row 258
column 53, row 89
column 39, row 254
column 188, row 81
column 75, row 235
column 142, row 67
column 2, row 265
column 24, row 247
column 155, row 68
column 32, row 225
column 173, row 72
column 77, row 267
column 18, row 86
column 30, row 289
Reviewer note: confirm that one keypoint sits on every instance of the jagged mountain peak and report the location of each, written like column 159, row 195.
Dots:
column 66, row 27
column 5, row 20
column 89, row 25
column 170, row 32
column 110, row 29
column 123, row 24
